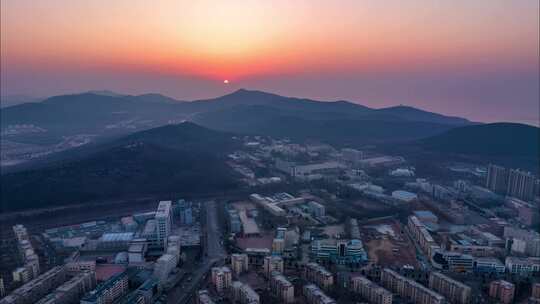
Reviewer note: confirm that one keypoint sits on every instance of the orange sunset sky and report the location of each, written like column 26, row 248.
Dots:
column 470, row 58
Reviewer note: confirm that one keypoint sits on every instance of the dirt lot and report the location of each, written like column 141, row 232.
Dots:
column 263, row 241
column 386, row 250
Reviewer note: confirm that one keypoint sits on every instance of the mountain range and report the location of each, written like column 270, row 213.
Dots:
column 243, row 111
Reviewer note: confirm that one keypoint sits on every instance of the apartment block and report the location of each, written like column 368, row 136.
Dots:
column 244, row 294
column 314, row 295
column 109, row 291
column 272, row 263
column 455, row 291
column 163, row 222
column 221, row 278
column 409, row 289
column 281, row 288
column 239, row 263
column 37, row 288
column 503, row 291
column 369, row 291
column 318, row 275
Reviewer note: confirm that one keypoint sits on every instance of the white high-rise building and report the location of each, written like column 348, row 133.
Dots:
column 163, row 222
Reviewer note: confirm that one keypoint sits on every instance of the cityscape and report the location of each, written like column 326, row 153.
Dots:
column 423, row 242
column 261, row 152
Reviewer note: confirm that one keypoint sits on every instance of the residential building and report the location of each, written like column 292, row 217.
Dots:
column 421, row 235
column 37, row 288
column 109, row 291
column 316, row 296
column 502, row 290
column 221, row 278
column 369, row 291
column 497, row 179
column 456, row 292
column 72, row 290
column 408, row 289
column 281, row 288
column 272, row 263
column 318, row 275
column 521, row 184
column 163, row 222
column 244, row 294
column 239, row 263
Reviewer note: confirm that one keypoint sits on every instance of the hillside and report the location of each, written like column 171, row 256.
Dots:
column 496, row 139
column 331, row 127
column 183, row 158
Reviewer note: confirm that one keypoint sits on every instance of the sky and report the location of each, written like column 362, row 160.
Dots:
column 478, row 59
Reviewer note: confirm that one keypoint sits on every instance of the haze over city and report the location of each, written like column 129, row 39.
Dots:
column 477, row 59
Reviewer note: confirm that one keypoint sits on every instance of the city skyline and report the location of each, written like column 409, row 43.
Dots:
column 476, row 60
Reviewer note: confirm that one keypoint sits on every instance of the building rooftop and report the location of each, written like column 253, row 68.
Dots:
column 117, row 237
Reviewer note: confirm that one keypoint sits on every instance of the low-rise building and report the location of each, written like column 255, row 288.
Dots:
column 343, row 252
column 522, row 266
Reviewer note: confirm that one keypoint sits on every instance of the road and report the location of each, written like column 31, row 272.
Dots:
column 215, row 255
column 214, row 248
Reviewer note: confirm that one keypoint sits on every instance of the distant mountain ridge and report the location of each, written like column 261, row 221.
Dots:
column 243, row 111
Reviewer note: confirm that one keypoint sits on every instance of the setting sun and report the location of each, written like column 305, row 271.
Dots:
column 226, row 81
